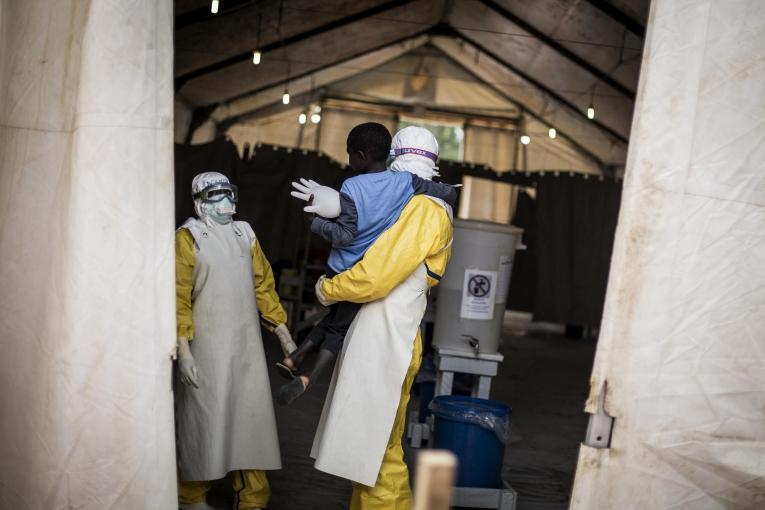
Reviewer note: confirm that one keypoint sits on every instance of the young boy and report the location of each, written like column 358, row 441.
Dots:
column 369, row 204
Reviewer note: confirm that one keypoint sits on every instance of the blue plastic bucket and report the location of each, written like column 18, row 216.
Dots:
column 478, row 448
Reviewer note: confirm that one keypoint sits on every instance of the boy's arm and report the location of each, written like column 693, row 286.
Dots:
column 445, row 192
column 342, row 230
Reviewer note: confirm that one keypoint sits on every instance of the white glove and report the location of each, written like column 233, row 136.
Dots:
column 323, row 200
column 283, row 334
column 186, row 364
column 320, row 295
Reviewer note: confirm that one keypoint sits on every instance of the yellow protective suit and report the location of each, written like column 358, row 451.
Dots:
column 423, row 233
column 250, row 486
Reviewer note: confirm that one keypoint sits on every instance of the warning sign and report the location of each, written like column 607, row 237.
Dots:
column 478, row 293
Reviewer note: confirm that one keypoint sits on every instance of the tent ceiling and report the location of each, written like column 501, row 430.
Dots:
column 550, row 58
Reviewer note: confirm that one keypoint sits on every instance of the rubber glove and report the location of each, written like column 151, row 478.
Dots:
column 320, row 295
column 322, row 200
column 186, row 364
column 283, row 334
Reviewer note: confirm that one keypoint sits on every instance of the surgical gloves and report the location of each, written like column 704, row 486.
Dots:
column 323, row 200
column 186, row 364
column 285, row 339
column 320, row 295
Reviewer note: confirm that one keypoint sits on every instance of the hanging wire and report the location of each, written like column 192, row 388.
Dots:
column 323, row 65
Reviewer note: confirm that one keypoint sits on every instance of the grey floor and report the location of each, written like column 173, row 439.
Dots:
column 545, row 380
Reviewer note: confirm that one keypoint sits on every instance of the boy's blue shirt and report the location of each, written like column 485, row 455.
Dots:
column 379, row 199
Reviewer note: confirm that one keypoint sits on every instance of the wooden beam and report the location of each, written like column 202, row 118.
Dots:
column 633, row 25
column 181, row 80
column 284, row 81
column 605, row 169
column 559, row 48
column 551, row 93
column 202, row 14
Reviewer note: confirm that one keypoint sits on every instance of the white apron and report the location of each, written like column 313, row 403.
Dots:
column 227, row 423
column 365, row 391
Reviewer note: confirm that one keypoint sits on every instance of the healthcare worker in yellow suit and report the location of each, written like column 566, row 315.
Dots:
column 361, row 427
column 224, row 413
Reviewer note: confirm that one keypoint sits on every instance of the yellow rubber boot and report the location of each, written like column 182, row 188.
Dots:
column 193, row 495
column 251, row 489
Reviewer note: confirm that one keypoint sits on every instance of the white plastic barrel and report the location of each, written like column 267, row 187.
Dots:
column 473, row 292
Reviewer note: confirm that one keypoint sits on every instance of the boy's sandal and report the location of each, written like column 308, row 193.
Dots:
column 289, row 392
column 287, row 372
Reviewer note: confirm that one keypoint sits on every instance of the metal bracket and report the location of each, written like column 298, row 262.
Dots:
column 601, row 424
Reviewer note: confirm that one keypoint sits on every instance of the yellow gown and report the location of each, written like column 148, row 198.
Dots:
column 422, row 234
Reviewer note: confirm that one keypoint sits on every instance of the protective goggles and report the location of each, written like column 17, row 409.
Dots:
column 217, row 192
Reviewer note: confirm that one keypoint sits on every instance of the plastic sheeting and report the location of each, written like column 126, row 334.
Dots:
column 681, row 346
column 86, row 242
column 487, row 414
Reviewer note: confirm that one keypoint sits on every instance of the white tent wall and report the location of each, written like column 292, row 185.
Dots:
column 548, row 154
column 494, row 146
column 205, row 133
column 425, row 80
column 86, row 242
column 281, row 129
column 183, row 114
column 681, row 345
column 482, row 199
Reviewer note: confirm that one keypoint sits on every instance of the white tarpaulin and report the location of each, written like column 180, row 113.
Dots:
column 681, row 345
column 86, row 244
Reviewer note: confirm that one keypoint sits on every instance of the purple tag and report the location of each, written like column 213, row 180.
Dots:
column 412, row 150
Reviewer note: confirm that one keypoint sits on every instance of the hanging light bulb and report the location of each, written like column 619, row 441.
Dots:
column 315, row 118
column 590, row 112
column 552, row 133
column 256, row 57
column 302, row 118
column 317, row 109
column 286, row 97
column 214, row 7
column 525, row 139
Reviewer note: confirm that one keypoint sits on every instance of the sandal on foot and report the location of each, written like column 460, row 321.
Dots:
column 287, row 372
column 289, row 392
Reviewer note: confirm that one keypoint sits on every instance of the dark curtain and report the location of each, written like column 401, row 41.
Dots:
column 568, row 229
column 264, row 182
column 523, row 283
column 570, row 238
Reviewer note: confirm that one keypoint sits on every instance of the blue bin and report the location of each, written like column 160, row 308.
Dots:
column 472, row 428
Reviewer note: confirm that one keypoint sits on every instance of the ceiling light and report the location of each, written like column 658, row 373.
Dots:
column 286, row 97
column 590, row 112
column 214, row 7
column 256, row 57
column 552, row 133
column 317, row 109
column 525, row 139
column 302, row 118
column 315, row 118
